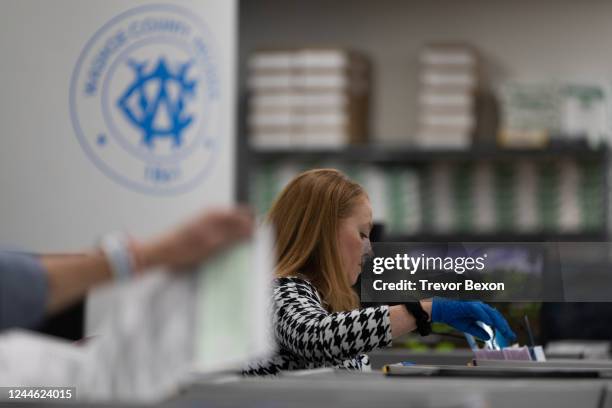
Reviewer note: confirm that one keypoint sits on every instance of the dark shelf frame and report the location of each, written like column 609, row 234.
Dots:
column 383, row 154
column 428, row 237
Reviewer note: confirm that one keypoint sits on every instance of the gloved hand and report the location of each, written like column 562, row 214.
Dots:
column 463, row 315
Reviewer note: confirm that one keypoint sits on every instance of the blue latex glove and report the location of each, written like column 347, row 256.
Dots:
column 463, row 315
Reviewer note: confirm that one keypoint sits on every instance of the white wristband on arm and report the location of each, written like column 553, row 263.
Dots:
column 116, row 248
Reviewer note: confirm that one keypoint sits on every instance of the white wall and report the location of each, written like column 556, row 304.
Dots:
column 52, row 196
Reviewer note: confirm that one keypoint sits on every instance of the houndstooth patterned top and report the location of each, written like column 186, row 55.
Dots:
column 308, row 336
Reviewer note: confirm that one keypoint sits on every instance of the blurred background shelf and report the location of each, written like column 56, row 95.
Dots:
column 549, row 54
column 510, row 236
column 483, row 194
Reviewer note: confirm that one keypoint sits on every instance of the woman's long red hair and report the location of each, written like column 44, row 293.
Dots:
column 306, row 216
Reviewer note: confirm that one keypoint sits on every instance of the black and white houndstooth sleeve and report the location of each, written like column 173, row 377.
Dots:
column 308, row 336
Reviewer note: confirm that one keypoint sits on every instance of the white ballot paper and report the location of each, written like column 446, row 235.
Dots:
column 158, row 331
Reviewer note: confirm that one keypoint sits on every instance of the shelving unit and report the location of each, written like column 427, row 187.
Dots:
column 501, row 236
column 521, row 40
column 386, row 156
column 374, row 28
column 409, row 158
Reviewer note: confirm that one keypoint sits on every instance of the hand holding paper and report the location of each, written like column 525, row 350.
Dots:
column 158, row 331
column 205, row 235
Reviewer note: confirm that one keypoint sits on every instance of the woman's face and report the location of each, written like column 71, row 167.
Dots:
column 354, row 238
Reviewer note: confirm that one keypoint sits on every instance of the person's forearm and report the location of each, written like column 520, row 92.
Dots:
column 402, row 321
column 70, row 277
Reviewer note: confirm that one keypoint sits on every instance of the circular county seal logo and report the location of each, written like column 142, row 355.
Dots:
column 145, row 99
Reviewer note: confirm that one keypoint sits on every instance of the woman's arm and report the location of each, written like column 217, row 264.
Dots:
column 402, row 321
column 306, row 329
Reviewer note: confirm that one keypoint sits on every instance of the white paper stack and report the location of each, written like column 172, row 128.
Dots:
column 372, row 178
column 530, row 113
column 534, row 112
column 307, row 98
column 569, row 205
column 592, row 195
column 526, row 187
column 444, row 211
column 585, row 112
column 403, row 201
column 484, row 198
column 448, row 81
